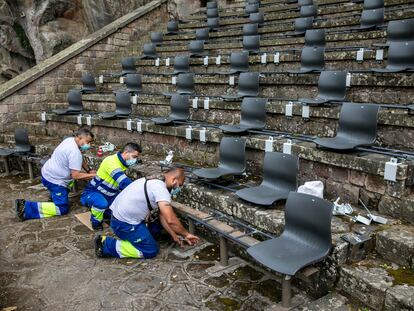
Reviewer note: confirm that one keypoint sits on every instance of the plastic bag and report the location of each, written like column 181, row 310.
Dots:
column 313, row 188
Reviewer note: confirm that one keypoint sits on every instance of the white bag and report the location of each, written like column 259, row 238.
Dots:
column 313, row 188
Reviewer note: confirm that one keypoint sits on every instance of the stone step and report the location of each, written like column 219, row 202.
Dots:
column 396, row 244
column 378, row 285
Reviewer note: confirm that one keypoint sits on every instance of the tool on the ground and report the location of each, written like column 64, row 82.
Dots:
column 375, row 218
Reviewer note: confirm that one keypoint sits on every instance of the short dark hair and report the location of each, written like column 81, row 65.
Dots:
column 175, row 170
column 130, row 147
column 84, row 131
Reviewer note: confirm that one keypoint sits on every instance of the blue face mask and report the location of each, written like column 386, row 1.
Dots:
column 85, row 147
column 131, row 162
column 175, row 191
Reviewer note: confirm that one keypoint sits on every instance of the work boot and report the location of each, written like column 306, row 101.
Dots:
column 99, row 246
column 19, row 208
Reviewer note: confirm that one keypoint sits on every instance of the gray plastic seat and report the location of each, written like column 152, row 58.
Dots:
column 232, row 160
column 213, row 23
column 133, row 83
column 202, row 34
column 172, row 27
column 75, row 104
column 88, row 84
column 239, row 62
column 331, row 87
column 123, row 107
column 212, row 13
column 185, row 84
column 181, row 64
column 308, row 11
column 252, row 116
column 253, row 2
column 302, row 24
column 180, row 110
column 22, row 143
column 156, row 37
column 304, row 2
column 373, row 4
column 279, row 178
column 399, row 31
column 372, row 18
column 128, row 65
column 252, row 8
column 305, row 240
column 315, row 37
column 251, row 44
column 400, row 58
column 357, row 127
column 250, row 29
column 257, row 18
column 248, row 86
column 211, row 5
column 149, row 51
column 196, row 48
column 312, row 59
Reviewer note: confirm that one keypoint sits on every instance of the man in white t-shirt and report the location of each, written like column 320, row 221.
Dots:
column 58, row 174
column 131, row 209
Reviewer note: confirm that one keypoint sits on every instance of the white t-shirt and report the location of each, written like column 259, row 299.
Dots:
column 130, row 205
column 65, row 158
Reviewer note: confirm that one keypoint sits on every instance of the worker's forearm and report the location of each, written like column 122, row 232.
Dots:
column 167, row 227
column 81, row 176
column 178, row 228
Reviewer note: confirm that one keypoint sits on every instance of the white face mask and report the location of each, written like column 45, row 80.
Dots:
column 131, row 162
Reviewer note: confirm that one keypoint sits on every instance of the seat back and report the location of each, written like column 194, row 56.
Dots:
column 315, row 37
column 249, row 84
column 252, row 8
column 303, row 23
column 21, row 137
column 253, row 112
column 133, row 83
column 371, row 18
column 181, row 64
column 280, row 171
column 213, row 23
column 128, row 65
column 257, row 18
column 332, row 85
column 150, row 50
column 156, row 37
column 172, row 26
column 373, row 4
column 233, row 154
column 312, row 58
column 211, row 5
column 239, row 61
column 251, row 43
column 250, row 29
column 253, row 2
column 358, row 122
column 88, row 83
column 308, row 11
column 401, row 30
column 75, row 100
column 123, row 103
column 401, row 55
column 211, row 13
column 185, row 83
column 180, row 107
column 196, row 47
column 202, row 34
column 308, row 219
column 304, row 2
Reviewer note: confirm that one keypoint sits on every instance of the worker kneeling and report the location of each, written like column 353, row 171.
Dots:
column 131, row 210
column 110, row 179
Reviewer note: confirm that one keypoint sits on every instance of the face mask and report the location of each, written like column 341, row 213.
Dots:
column 85, row 147
column 175, row 191
column 131, row 162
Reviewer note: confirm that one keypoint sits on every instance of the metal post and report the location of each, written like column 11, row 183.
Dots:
column 224, row 255
column 30, row 166
column 286, row 291
column 6, row 165
column 191, row 226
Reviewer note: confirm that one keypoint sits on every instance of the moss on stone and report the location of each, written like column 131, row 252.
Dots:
column 21, row 35
column 401, row 276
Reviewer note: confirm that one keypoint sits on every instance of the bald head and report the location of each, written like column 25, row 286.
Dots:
column 174, row 177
